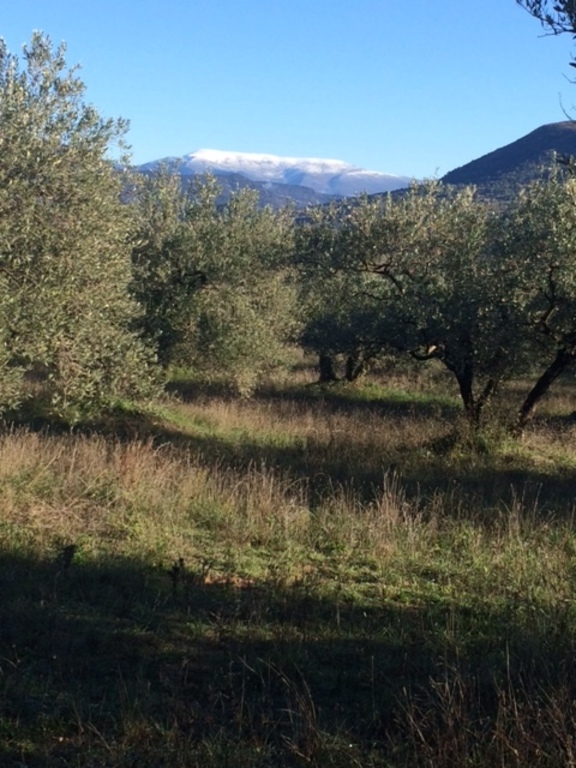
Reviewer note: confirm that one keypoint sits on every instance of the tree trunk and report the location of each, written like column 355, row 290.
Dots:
column 354, row 367
column 465, row 380
column 562, row 360
column 326, row 370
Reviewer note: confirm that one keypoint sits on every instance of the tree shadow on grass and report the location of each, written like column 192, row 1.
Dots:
column 336, row 398
column 480, row 479
column 117, row 662
column 471, row 483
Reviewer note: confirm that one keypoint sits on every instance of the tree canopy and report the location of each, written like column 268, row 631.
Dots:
column 214, row 280
column 65, row 310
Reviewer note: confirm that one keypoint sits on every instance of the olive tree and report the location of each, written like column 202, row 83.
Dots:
column 449, row 298
column 166, row 261
column 341, row 316
column 245, row 315
column 65, row 264
column 215, row 280
column 440, row 291
column 539, row 247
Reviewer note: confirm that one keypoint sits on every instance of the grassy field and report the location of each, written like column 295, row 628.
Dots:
column 312, row 577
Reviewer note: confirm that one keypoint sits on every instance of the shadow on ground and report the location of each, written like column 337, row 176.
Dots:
column 473, row 483
column 336, row 398
column 473, row 480
column 120, row 662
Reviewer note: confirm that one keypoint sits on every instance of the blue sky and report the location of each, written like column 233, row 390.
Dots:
column 414, row 88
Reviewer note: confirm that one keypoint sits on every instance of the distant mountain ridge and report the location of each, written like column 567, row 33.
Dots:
column 499, row 174
column 321, row 178
column 279, row 181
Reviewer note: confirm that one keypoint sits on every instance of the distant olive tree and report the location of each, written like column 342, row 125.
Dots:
column 65, row 264
column 165, row 261
column 215, row 280
column 418, row 273
column 448, row 298
column 246, row 313
column 340, row 303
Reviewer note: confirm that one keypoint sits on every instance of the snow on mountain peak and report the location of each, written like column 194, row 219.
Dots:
column 333, row 177
column 263, row 164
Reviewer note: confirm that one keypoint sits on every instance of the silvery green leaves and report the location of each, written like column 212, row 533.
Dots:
column 214, row 281
column 65, row 260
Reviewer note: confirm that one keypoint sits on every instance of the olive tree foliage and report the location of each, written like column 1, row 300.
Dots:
column 424, row 265
column 538, row 244
column 215, row 281
column 65, row 261
column 245, row 315
column 449, row 299
column 557, row 17
column 166, row 273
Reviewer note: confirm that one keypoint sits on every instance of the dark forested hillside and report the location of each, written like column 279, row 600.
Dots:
column 269, row 193
column 499, row 174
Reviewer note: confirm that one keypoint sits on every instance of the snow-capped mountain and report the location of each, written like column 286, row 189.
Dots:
column 326, row 177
